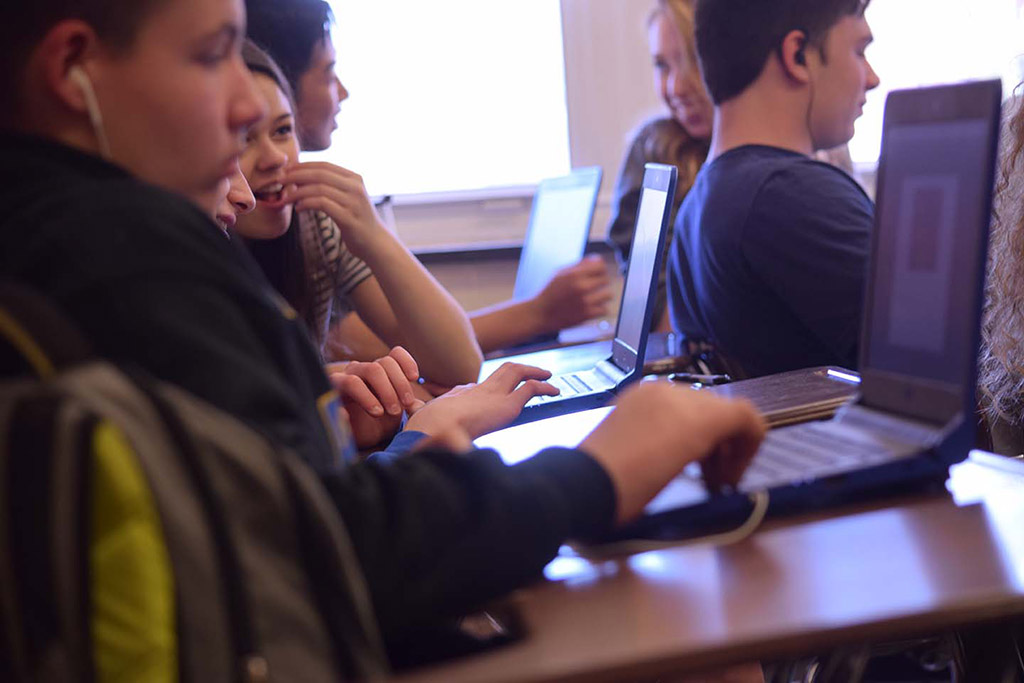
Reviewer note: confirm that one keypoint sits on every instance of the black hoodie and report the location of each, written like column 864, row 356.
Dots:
column 153, row 282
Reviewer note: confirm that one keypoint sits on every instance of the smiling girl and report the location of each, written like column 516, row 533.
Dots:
column 681, row 138
column 319, row 240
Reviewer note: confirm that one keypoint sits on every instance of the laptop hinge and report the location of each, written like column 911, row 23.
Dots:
column 610, row 371
column 903, row 429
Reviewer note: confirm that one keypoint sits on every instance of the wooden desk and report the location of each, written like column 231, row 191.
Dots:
column 794, row 588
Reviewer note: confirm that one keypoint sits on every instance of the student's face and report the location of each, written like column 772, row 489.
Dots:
column 236, row 200
column 176, row 105
column 677, row 78
column 320, row 96
column 271, row 147
column 840, row 82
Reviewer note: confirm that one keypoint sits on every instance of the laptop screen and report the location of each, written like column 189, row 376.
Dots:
column 923, row 316
column 559, row 226
column 640, row 275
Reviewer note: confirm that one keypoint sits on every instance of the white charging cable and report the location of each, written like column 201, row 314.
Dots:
column 603, row 551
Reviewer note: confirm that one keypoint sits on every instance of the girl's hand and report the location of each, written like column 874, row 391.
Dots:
column 341, row 194
column 375, row 394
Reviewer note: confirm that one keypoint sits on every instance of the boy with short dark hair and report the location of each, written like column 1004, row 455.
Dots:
column 771, row 249
column 297, row 35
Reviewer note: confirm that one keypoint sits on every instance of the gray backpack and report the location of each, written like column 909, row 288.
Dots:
column 146, row 535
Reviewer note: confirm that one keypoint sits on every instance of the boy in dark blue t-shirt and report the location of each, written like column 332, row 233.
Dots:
column 771, row 247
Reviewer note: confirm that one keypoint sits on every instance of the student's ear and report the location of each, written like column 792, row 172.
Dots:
column 793, row 56
column 66, row 48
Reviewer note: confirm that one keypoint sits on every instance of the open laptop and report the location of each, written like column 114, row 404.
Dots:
column 920, row 333
column 913, row 417
column 563, row 210
column 596, row 386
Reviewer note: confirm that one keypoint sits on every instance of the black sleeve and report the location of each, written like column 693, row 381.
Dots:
column 193, row 336
column 438, row 533
column 164, row 290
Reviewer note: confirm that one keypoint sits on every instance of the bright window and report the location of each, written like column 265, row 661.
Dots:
column 450, row 95
column 927, row 42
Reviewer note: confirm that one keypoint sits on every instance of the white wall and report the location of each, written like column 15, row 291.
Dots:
column 608, row 83
column 608, row 78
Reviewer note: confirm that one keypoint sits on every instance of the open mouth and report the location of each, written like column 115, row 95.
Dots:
column 271, row 194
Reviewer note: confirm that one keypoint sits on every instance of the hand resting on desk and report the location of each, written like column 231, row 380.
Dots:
column 657, row 429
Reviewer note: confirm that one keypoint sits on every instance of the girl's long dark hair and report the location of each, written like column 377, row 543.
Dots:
column 282, row 259
column 283, row 262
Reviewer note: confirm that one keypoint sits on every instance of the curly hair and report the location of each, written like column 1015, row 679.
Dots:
column 1001, row 362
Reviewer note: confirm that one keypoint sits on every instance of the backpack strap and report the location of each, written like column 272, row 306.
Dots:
column 68, row 484
column 36, row 338
column 44, row 472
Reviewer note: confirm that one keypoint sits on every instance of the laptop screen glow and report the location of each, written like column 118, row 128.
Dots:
column 640, row 275
column 922, row 311
column 559, row 227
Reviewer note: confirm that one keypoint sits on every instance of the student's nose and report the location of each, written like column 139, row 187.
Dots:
column 247, row 107
column 341, row 90
column 873, row 79
column 676, row 87
column 242, row 199
column 683, row 84
column 270, row 157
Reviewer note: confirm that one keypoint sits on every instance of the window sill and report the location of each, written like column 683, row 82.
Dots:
column 486, row 251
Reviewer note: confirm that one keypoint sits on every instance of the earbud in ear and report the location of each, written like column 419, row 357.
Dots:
column 81, row 79
column 800, row 58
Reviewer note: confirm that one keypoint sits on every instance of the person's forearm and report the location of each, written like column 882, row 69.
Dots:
column 427, row 321
column 507, row 324
column 350, row 339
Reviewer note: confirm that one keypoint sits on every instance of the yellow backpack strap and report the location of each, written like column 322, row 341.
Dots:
column 84, row 489
column 131, row 578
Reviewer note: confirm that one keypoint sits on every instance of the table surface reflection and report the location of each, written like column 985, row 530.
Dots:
column 795, row 587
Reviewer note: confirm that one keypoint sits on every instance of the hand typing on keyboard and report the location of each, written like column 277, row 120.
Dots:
column 466, row 412
column 567, row 385
column 657, row 429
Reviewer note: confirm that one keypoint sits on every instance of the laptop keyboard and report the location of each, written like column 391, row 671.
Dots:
column 815, row 450
column 573, row 385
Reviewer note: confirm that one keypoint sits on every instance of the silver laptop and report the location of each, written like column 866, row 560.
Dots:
column 563, row 210
column 597, row 385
